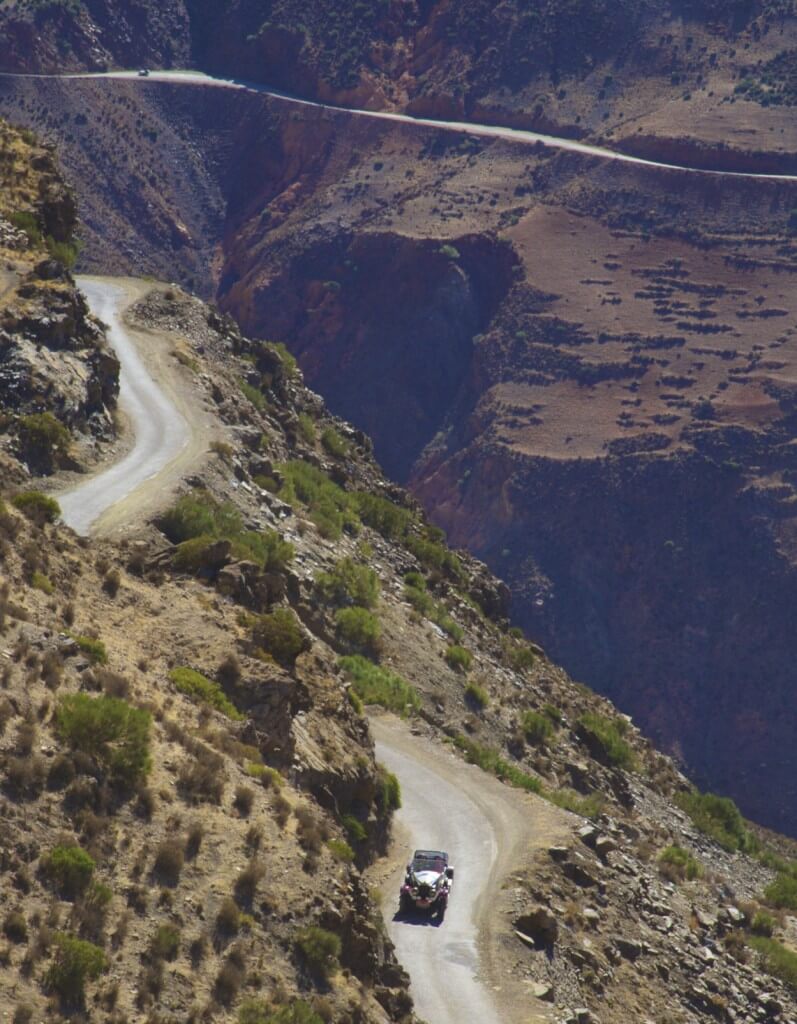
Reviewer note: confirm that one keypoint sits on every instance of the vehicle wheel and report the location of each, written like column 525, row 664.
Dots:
column 404, row 904
column 441, row 910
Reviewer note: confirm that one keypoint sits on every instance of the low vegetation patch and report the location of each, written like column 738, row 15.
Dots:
column 92, row 647
column 43, row 441
column 255, row 1011
column 782, row 892
column 778, row 960
column 75, row 962
column 376, row 685
column 458, row 658
column 536, row 727
column 279, row 635
column 349, row 583
column 330, row 507
column 198, row 687
column 358, row 629
column 718, row 817
column 110, row 731
column 489, row 760
column 69, row 869
column 320, row 948
column 606, row 736
column 38, row 507
column 477, row 696
column 678, row 864
column 333, row 444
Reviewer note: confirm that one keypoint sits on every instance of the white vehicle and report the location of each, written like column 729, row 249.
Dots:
column 143, row 73
column 427, row 884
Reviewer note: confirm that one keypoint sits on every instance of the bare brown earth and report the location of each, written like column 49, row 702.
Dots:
column 592, row 387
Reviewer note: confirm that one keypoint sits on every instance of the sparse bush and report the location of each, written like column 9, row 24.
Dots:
column 255, row 395
column 247, row 882
column 193, row 839
column 229, row 672
column 75, row 963
column 718, row 817
column 341, row 850
column 169, row 861
column 333, row 444
column 244, row 799
column 458, row 658
column 349, row 583
column 306, row 428
column 111, row 582
column 198, row 687
column 477, row 696
column 165, row 942
column 355, row 829
column 254, row 1011
column 281, row 809
column 519, row 657
column 536, row 727
column 38, row 507
column 388, row 796
column 678, row 864
column 330, row 507
column 230, row 978
column 382, row 515
column 763, row 924
column 228, row 918
column 605, row 735
column 778, row 960
column 23, row 1014
column 320, row 948
column 358, row 629
column 201, row 780
column 69, row 869
column 280, row 635
column 489, row 760
column 199, row 515
column 782, row 892
column 92, row 647
column 108, row 730
column 376, row 685
column 43, row 441
column 41, row 582
column 15, row 927
column 435, row 556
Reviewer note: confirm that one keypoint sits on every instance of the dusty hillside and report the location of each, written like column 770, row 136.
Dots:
column 208, row 850
column 594, row 364
column 706, row 79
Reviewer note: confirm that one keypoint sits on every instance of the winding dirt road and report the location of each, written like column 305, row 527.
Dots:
column 169, row 431
column 487, row 829
column 462, row 127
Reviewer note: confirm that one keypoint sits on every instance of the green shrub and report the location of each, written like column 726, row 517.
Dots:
column 165, row 942
column 196, row 556
column 92, row 647
column 553, row 714
column 254, row 1011
column 75, row 963
column 280, row 635
column 329, row 506
column 678, row 864
column 349, row 583
column 434, row 555
column 341, row 850
column 383, row 515
column 606, row 734
column 333, row 443
column 29, row 223
column 198, row 687
column 255, row 395
column 43, row 440
column 288, row 360
column 519, row 657
column 458, row 658
column 109, row 730
column 376, row 685
column 421, row 600
column 355, row 829
column 200, row 515
column 69, row 869
column 778, row 960
column 415, row 580
column 388, row 796
column 489, row 760
column 587, row 806
column 718, row 817
column 782, row 892
column 537, row 728
column 38, row 507
column 41, row 582
column 320, row 949
column 307, row 429
column 477, row 696
column 358, row 629
column 65, row 252
column 763, row 924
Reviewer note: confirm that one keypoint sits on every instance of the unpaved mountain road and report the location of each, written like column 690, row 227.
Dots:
column 197, row 78
column 169, row 431
column 459, row 973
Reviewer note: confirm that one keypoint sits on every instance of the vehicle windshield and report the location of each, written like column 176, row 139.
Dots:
column 429, row 861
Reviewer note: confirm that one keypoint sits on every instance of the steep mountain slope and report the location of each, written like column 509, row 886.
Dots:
column 591, row 347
